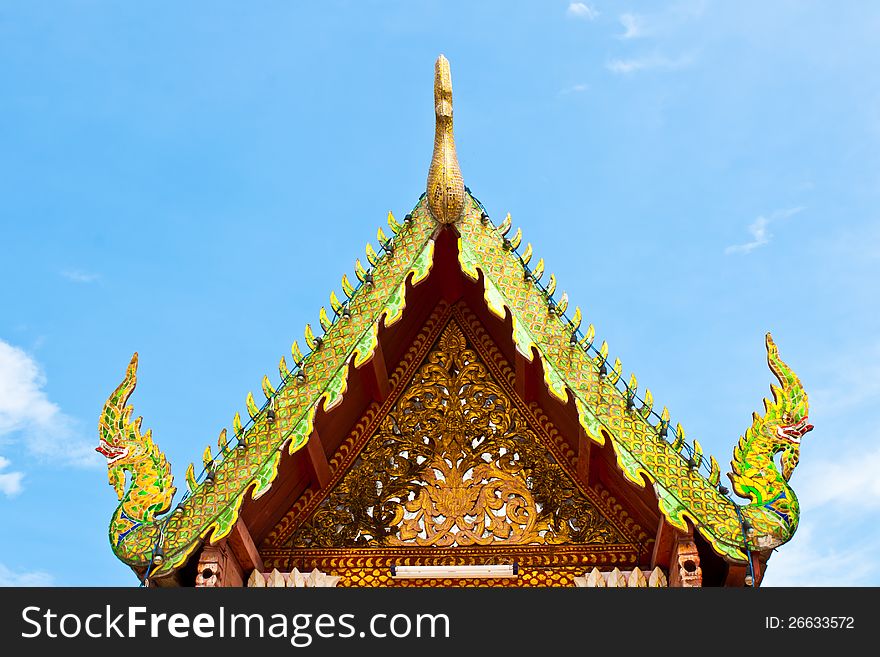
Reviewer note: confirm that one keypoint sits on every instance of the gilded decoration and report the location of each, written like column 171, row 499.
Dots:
column 454, row 464
column 246, row 463
column 527, row 578
column 607, row 409
column 144, row 530
column 150, row 489
column 446, row 192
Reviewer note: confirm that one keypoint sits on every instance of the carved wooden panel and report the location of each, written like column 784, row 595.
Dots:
column 685, row 570
column 218, row 567
column 454, row 464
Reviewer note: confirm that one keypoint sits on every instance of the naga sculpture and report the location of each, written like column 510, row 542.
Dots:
column 141, row 530
column 150, row 488
column 769, row 519
column 773, row 508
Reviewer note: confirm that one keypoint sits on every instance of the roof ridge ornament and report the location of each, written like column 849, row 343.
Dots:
column 445, row 185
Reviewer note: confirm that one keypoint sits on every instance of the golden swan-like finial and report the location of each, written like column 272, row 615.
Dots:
column 445, row 184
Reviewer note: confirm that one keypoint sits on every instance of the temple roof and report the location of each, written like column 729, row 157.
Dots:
column 545, row 329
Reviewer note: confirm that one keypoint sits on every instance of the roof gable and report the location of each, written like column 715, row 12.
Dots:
column 609, row 410
column 458, row 462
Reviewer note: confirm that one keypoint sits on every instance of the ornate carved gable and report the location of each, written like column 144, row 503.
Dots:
column 456, row 462
column 454, row 458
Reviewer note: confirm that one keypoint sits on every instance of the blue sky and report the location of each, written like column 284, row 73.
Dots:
column 190, row 180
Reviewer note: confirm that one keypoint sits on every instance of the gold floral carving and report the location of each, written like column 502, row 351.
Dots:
column 372, row 577
column 454, row 463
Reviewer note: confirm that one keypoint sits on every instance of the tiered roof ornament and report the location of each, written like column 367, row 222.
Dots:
column 446, row 193
column 155, row 540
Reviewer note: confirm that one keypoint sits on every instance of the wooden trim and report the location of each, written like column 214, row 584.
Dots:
column 374, row 374
column 610, row 474
column 582, row 465
column 664, row 543
column 685, row 570
column 452, row 288
column 736, row 574
column 526, row 386
column 218, row 567
column 380, row 372
column 243, row 547
column 358, row 437
column 318, row 459
column 759, row 565
column 622, row 555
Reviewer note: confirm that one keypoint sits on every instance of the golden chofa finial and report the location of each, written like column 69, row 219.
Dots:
column 445, row 184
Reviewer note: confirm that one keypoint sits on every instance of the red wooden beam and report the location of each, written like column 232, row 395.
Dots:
column 294, row 476
column 759, row 565
column 526, row 377
column 318, row 459
column 446, row 261
column 664, row 543
column 582, row 467
column 243, row 547
column 736, row 575
column 380, row 372
column 640, row 502
column 374, row 375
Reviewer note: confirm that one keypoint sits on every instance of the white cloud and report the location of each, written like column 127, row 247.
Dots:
column 634, row 26
column 851, row 482
column 649, row 62
column 759, row 231
column 79, row 276
column 666, row 22
column 10, row 482
column 836, row 542
column 574, row 89
column 813, row 559
column 582, row 10
column 28, row 416
column 760, row 237
column 22, row 400
column 32, row 578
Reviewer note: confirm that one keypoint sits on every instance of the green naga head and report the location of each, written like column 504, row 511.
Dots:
column 118, row 437
column 787, row 416
column 126, row 449
column 755, row 474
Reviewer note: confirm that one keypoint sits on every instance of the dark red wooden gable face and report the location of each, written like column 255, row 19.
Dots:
column 397, row 474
